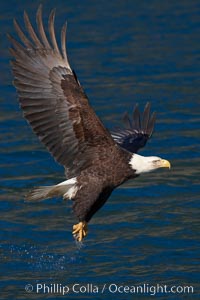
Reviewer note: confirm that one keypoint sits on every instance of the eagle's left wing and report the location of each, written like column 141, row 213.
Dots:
column 137, row 131
column 52, row 99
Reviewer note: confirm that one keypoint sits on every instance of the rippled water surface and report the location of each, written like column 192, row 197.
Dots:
column 148, row 232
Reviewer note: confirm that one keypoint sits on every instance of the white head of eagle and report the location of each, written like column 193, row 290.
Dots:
column 58, row 110
column 145, row 164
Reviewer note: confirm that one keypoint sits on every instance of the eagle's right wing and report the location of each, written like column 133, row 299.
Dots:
column 137, row 131
column 52, row 98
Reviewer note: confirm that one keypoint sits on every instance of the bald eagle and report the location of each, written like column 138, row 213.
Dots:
column 58, row 110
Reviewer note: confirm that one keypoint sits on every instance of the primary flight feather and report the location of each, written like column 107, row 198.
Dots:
column 54, row 103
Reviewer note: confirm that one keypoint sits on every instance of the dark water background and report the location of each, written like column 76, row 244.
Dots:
column 148, row 232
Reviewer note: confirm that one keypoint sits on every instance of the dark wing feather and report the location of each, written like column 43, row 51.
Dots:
column 137, row 131
column 51, row 97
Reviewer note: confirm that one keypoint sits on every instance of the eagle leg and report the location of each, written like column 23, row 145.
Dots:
column 80, row 230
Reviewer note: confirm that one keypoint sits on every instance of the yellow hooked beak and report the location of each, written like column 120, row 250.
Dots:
column 165, row 164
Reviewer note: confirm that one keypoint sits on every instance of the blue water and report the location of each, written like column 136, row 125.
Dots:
column 148, row 232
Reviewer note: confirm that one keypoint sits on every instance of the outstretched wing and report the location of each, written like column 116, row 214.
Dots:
column 137, row 131
column 51, row 97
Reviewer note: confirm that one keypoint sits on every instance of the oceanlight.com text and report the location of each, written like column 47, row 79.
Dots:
column 108, row 288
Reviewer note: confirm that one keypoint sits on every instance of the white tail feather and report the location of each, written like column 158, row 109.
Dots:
column 61, row 189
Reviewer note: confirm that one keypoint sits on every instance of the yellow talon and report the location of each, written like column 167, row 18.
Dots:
column 80, row 230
